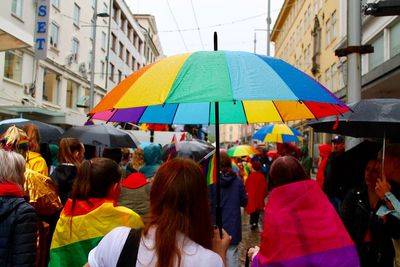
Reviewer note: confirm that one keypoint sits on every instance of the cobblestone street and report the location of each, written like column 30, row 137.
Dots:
column 249, row 238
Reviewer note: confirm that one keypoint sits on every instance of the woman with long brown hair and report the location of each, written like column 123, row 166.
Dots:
column 71, row 153
column 179, row 231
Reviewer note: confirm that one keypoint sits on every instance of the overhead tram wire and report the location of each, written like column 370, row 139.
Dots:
column 177, row 26
column 197, row 24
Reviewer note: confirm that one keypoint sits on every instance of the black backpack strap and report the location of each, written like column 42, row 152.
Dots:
column 129, row 252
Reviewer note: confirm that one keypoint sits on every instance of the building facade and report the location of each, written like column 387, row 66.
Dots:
column 57, row 89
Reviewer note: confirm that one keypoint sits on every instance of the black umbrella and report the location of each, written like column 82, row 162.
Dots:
column 370, row 118
column 102, row 135
column 194, row 149
column 48, row 133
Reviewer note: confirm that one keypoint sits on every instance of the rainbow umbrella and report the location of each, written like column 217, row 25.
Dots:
column 242, row 150
column 278, row 133
column 208, row 87
column 250, row 88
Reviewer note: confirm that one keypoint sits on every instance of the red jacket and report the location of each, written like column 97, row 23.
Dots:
column 256, row 188
column 324, row 151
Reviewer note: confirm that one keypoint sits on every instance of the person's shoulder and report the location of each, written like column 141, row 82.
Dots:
column 200, row 256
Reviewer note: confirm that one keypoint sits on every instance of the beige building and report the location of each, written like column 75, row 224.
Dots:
column 306, row 34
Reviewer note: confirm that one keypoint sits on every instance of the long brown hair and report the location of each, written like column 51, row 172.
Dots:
column 32, row 131
column 179, row 203
column 68, row 147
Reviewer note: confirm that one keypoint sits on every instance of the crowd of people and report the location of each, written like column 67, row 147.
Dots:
column 67, row 207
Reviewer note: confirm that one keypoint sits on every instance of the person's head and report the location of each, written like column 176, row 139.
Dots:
column 113, row 153
column 225, row 162
column 12, row 168
column 54, row 150
column 372, row 172
column 15, row 139
column 126, row 154
column 152, row 154
column 32, row 131
column 392, row 162
column 137, row 158
column 256, row 165
column 179, row 203
column 97, row 178
column 338, row 144
column 286, row 170
column 71, row 151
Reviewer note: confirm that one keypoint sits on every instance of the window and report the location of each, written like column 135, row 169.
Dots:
column 119, row 76
column 93, row 4
column 114, row 13
column 92, row 29
column 129, row 33
column 121, row 50
column 13, row 65
column 103, row 66
column 55, row 29
column 77, row 15
column 135, row 37
column 16, row 8
column 123, row 23
column 111, row 77
column 50, row 86
column 395, row 40
column 140, row 46
column 128, row 56
column 113, row 42
column 75, row 48
column 56, row 3
column 328, row 78
column 334, row 77
column 327, row 32
column 377, row 57
column 72, row 94
column 137, row 66
column 334, row 25
column 133, row 63
column 103, row 40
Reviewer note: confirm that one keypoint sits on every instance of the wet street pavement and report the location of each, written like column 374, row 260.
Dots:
column 249, row 238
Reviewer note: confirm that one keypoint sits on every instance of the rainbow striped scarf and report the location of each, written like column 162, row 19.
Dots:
column 301, row 228
column 90, row 222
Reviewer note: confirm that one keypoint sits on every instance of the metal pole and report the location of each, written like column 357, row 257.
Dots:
column 255, row 42
column 354, row 59
column 268, row 27
column 218, row 213
column 108, row 43
column 92, row 61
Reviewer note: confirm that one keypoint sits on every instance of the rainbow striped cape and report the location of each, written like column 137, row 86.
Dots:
column 301, row 228
column 89, row 224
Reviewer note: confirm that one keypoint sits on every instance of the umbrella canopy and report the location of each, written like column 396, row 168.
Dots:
column 48, row 133
column 250, row 88
column 278, row 133
column 242, row 150
column 195, row 149
column 370, row 118
column 102, row 135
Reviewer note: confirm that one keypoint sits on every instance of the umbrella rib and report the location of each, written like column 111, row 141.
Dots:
column 277, row 110
column 310, row 110
column 244, row 111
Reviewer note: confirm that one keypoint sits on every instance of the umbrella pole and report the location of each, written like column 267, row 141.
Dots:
column 218, row 212
column 383, row 155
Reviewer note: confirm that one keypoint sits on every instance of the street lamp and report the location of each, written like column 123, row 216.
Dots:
column 93, row 55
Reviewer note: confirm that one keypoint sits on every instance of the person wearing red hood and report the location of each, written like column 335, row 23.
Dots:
column 324, row 151
column 135, row 194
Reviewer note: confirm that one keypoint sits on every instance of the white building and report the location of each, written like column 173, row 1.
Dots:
column 57, row 89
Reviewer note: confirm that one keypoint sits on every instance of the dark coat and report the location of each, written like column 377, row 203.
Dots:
column 64, row 176
column 18, row 224
column 359, row 218
column 233, row 196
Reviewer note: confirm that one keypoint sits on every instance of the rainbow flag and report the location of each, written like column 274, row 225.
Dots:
column 302, row 228
column 210, row 169
column 235, row 167
column 172, row 147
column 89, row 224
